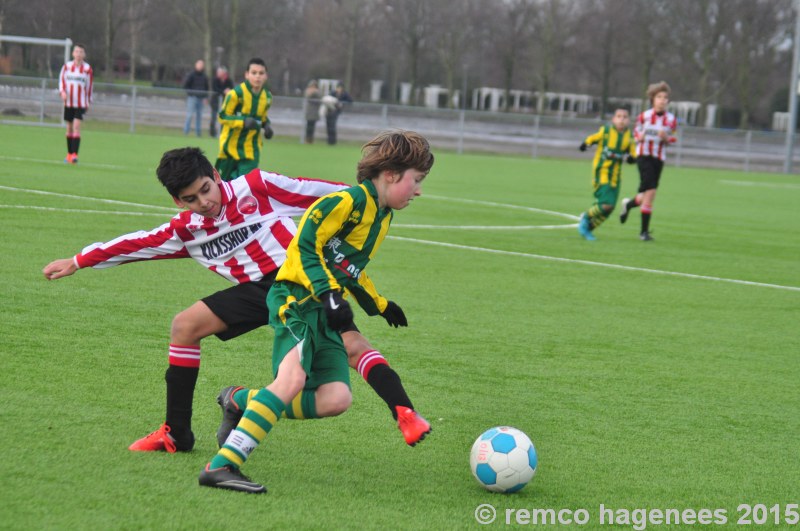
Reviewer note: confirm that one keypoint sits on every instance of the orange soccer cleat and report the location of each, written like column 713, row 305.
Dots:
column 413, row 426
column 158, row 441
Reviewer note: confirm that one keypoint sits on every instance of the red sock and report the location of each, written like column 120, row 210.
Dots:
column 184, row 355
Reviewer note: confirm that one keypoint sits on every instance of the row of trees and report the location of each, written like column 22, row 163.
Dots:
column 733, row 53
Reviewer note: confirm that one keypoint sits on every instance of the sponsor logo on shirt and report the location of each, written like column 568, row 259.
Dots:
column 228, row 242
column 247, row 204
column 340, row 261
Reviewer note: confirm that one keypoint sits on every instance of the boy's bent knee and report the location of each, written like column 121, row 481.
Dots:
column 607, row 208
column 333, row 399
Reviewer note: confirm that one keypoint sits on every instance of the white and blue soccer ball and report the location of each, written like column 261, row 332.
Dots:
column 503, row 459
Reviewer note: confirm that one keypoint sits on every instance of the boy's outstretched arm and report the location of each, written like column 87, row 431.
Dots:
column 63, row 267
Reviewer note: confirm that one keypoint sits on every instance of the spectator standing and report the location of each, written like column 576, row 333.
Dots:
column 196, row 87
column 75, row 88
column 332, row 114
column 220, row 86
column 313, row 100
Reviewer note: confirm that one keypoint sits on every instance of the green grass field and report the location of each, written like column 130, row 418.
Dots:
column 651, row 376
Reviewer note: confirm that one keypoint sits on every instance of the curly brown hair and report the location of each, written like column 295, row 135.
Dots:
column 655, row 88
column 394, row 151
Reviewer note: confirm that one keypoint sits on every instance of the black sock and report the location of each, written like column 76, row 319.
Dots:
column 180, row 394
column 646, row 221
column 387, row 384
column 76, row 144
column 69, row 145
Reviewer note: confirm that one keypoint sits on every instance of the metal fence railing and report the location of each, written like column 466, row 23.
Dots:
column 36, row 101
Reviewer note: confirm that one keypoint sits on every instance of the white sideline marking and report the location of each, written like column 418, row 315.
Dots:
column 597, row 264
column 429, row 242
column 493, row 227
column 111, row 201
column 78, row 211
column 503, row 205
column 783, row 186
column 485, row 227
column 62, row 163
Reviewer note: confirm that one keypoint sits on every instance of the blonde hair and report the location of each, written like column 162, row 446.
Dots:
column 655, row 88
column 394, row 151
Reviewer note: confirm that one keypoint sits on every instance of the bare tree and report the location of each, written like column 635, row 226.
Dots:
column 138, row 11
column 408, row 20
column 755, row 35
column 196, row 16
column 551, row 31
column 452, row 39
column 513, row 29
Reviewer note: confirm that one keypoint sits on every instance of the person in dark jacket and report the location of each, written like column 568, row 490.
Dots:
column 332, row 112
column 196, row 87
column 220, row 86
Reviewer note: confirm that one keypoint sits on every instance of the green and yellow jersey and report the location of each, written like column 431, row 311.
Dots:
column 236, row 142
column 612, row 147
column 337, row 237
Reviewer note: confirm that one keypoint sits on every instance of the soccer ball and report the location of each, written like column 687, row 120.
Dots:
column 503, row 459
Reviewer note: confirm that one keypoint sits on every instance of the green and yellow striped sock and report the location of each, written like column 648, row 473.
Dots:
column 303, row 406
column 596, row 216
column 262, row 413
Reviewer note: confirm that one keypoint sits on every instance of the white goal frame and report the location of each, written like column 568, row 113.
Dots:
column 66, row 43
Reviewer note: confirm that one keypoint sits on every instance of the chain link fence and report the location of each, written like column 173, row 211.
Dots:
column 26, row 100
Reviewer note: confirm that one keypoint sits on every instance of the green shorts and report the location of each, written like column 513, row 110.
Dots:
column 298, row 319
column 230, row 169
column 606, row 194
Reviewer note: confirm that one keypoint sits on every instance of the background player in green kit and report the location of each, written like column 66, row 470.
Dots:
column 243, row 114
column 614, row 142
column 337, row 237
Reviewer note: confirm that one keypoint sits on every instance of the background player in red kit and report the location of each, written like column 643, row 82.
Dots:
column 654, row 130
column 75, row 88
column 239, row 229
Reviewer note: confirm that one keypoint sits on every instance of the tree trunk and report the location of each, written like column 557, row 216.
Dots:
column 110, row 30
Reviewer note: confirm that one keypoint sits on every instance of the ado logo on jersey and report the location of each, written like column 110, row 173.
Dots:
column 247, row 204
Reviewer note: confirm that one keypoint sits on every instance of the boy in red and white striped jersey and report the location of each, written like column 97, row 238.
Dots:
column 238, row 229
column 75, row 87
column 655, row 129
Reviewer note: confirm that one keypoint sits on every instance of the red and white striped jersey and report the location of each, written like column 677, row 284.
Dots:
column 247, row 241
column 646, row 131
column 76, row 82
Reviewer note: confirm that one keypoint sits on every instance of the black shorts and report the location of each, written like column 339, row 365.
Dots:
column 243, row 307
column 649, row 172
column 73, row 113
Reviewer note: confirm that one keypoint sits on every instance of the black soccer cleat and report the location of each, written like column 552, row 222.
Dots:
column 623, row 215
column 231, row 414
column 228, row 478
column 645, row 237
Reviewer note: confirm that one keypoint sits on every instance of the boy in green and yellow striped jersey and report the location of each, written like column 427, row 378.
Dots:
column 613, row 141
column 337, row 237
column 243, row 114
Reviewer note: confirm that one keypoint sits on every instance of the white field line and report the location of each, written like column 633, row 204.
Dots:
column 79, row 211
column 502, row 205
column 485, row 227
column 781, row 186
column 595, row 264
column 62, row 163
column 70, row 196
column 445, row 244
